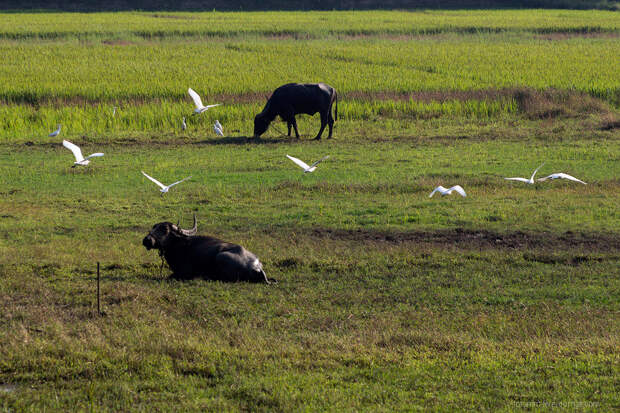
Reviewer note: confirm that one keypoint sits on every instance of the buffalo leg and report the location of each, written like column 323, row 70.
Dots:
column 294, row 122
column 289, row 125
column 330, row 123
column 323, row 123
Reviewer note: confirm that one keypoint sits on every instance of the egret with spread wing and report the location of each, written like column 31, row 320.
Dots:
column 307, row 168
column 561, row 175
column 448, row 191
column 77, row 152
column 198, row 102
column 527, row 181
column 164, row 188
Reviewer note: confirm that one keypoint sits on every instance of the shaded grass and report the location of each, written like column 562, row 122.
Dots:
column 435, row 322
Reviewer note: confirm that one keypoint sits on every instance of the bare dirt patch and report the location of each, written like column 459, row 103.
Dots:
column 118, row 43
column 571, row 35
column 554, row 103
column 479, row 239
column 172, row 16
column 431, row 95
column 610, row 122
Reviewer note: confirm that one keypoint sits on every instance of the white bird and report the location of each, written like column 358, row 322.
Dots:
column 183, row 124
column 198, row 102
column 444, row 191
column 218, row 129
column 561, row 176
column 163, row 187
column 77, row 152
column 307, row 168
column 527, row 181
column 114, row 112
column 55, row 133
column 219, row 125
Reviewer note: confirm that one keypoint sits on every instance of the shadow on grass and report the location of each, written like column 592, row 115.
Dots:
column 249, row 140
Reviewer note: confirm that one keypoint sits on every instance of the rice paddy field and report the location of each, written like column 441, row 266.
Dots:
column 387, row 300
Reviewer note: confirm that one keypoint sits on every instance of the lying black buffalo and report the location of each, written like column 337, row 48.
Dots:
column 294, row 98
column 190, row 256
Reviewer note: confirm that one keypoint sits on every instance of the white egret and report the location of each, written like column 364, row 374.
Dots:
column 198, row 102
column 56, row 132
column 163, row 187
column 527, row 181
column 307, row 168
column 183, row 124
column 448, row 191
column 77, row 152
column 561, row 175
column 218, row 130
column 114, row 112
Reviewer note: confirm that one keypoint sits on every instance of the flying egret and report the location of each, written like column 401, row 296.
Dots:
column 304, row 165
column 183, row 124
column 56, row 132
column 163, row 187
column 444, row 191
column 527, row 181
column 218, row 130
column 77, row 152
column 561, row 176
column 198, row 102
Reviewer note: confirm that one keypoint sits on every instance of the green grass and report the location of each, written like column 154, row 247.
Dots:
column 72, row 71
column 387, row 300
column 307, row 24
column 356, row 322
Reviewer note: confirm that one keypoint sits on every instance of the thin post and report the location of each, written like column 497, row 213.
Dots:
column 98, row 291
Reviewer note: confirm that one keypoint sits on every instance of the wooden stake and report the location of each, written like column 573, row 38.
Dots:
column 98, row 291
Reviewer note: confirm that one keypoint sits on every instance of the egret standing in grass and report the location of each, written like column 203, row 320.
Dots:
column 527, row 181
column 77, row 152
column 183, row 124
column 217, row 128
column 307, row 168
column 55, row 133
column 443, row 191
column 198, row 102
column 561, row 175
column 164, row 188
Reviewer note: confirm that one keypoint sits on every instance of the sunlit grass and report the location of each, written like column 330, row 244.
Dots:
column 313, row 24
column 70, row 71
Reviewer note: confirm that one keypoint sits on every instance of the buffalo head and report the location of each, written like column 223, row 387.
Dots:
column 260, row 124
column 161, row 234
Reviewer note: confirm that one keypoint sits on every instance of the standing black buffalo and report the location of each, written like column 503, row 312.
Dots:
column 190, row 256
column 294, row 98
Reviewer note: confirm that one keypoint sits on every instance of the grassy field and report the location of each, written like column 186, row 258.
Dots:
column 387, row 300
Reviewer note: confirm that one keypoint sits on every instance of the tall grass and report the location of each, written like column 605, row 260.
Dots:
column 64, row 71
column 26, row 122
column 153, row 25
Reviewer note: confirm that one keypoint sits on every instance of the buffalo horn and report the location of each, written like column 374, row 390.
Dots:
column 192, row 231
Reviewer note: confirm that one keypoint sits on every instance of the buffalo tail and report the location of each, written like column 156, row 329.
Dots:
column 336, row 109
